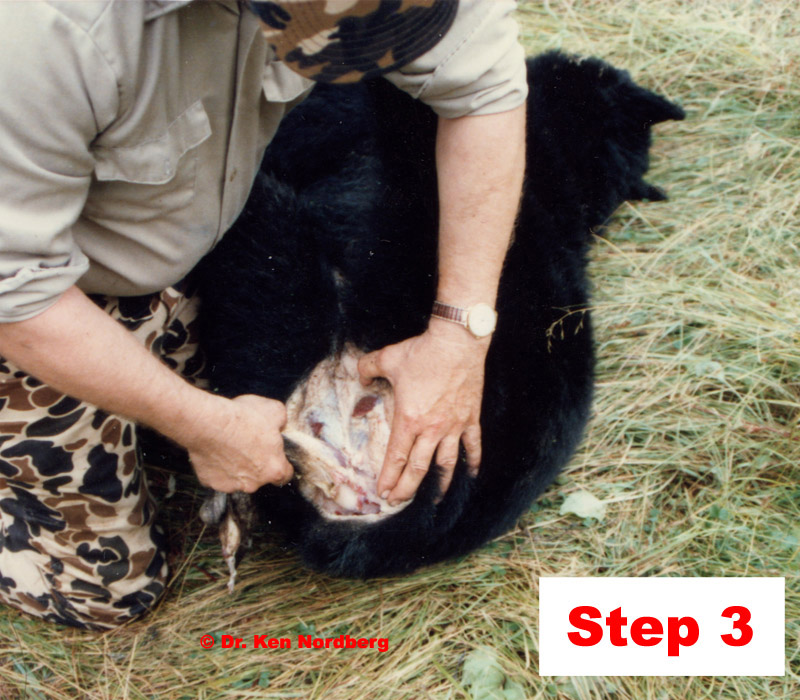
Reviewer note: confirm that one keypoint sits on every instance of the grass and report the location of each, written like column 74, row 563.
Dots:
column 694, row 444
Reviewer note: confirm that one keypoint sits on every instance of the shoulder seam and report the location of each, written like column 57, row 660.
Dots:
column 88, row 32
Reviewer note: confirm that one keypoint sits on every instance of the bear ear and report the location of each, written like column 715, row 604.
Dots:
column 644, row 190
column 650, row 108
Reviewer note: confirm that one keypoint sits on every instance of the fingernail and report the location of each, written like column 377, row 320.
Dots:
column 385, row 495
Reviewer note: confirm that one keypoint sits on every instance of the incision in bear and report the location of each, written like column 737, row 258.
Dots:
column 336, row 436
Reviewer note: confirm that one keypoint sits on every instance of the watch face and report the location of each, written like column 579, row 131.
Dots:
column 481, row 320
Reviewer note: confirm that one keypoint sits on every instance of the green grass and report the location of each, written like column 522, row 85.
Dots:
column 694, row 444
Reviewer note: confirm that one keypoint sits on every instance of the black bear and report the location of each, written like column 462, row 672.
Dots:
column 336, row 251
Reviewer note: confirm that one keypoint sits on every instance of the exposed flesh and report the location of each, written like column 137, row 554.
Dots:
column 336, row 436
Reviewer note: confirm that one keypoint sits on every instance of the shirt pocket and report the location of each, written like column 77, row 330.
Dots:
column 144, row 180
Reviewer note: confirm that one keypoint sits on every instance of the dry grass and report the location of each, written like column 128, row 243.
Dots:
column 694, row 443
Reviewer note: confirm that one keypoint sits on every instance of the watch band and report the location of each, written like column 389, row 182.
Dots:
column 449, row 313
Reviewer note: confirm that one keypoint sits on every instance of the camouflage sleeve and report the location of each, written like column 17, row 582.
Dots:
column 477, row 68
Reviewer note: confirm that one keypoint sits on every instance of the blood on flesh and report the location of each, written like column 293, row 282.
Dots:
column 336, row 436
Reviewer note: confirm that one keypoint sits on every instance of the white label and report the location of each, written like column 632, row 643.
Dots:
column 661, row 626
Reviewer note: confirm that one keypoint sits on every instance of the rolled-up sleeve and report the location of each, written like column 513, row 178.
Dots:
column 477, row 68
column 57, row 92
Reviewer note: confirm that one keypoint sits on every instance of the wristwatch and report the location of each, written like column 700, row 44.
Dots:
column 480, row 319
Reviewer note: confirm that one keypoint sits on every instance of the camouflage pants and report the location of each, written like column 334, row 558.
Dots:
column 79, row 543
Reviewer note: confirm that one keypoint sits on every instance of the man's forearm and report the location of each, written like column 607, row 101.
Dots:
column 75, row 347
column 480, row 165
column 438, row 376
column 78, row 349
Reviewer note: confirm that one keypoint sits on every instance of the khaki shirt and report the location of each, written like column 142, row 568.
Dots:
column 131, row 131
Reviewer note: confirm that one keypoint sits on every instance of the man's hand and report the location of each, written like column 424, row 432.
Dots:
column 242, row 449
column 438, row 387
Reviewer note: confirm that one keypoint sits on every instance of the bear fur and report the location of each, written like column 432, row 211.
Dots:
column 338, row 244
